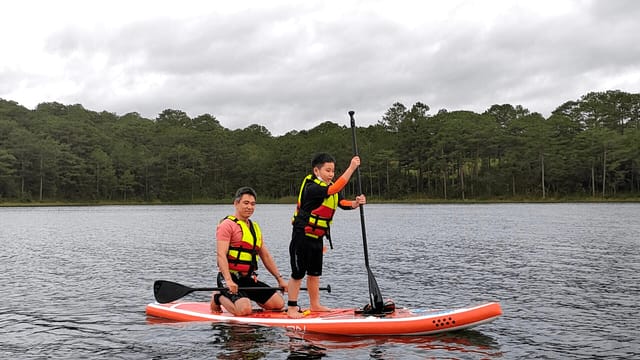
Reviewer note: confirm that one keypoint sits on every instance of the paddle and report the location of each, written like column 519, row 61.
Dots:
column 375, row 297
column 168, row 291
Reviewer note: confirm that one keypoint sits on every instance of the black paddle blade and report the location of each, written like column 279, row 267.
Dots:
column 375, row 296
column 168, row 291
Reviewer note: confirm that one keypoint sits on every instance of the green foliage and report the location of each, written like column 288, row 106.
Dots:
column 588, row 148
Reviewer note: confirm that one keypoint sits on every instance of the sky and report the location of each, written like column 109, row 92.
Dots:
column 292, row 65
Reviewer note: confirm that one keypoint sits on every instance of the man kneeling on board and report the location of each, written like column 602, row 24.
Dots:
column 239, row 246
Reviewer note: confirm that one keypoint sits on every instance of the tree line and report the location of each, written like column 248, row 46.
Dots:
column 588, row 148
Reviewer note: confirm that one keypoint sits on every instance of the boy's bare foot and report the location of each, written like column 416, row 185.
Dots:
column 215, row 308
column 294, row 312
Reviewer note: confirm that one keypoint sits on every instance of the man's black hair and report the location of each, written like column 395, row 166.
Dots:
column 245, row 190
column 321, row 158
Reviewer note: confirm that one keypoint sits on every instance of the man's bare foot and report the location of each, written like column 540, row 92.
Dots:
column 294, row 312
column 215, row 308
column 320, row 308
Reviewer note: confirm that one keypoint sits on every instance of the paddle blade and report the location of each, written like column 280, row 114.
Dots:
column 168, row 291
column 375, row 296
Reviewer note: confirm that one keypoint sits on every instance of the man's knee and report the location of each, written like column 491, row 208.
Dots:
column 243, row 307
column 275, row 302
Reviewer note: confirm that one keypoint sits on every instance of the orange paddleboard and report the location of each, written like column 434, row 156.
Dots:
column 341, row 321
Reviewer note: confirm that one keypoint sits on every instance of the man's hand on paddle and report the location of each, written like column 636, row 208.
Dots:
column 284, row 284
column 233, row 287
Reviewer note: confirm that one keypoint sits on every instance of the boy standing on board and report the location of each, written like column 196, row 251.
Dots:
column 318, row 199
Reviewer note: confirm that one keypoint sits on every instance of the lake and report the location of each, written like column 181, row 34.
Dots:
column 76, row 280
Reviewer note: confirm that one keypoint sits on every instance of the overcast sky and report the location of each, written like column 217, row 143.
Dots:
column 291, row 65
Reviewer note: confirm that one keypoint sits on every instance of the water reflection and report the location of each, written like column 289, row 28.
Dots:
column 239, row 341
column 233, row 341
column 469, row 342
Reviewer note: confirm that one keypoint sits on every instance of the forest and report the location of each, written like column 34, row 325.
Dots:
column 587, row 149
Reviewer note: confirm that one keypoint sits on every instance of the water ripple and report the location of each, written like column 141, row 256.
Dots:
column 567, row 276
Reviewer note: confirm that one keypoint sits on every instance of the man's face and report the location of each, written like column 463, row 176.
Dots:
column 245, row 206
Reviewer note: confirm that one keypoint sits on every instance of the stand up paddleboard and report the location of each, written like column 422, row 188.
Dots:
column 340, row 321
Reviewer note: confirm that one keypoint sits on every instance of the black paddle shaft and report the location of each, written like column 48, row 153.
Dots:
column 359, row 185
column 375, row 296
column 168, row 291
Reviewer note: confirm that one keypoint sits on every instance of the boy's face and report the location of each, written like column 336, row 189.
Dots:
column 325, row 172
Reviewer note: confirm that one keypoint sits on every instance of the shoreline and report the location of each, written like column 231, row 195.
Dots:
column 290, row 201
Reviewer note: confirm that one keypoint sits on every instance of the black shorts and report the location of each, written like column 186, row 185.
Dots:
column 259, row 296
column 306, row 255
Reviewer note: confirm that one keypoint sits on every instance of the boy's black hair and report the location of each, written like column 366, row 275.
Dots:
column 320, row 159
column 245, row 190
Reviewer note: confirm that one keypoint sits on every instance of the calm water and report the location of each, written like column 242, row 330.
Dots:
column 76, row 280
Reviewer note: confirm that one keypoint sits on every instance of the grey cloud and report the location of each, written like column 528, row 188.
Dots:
column 286, row 69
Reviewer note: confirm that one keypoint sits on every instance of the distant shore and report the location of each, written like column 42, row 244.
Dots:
column 291, row 200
